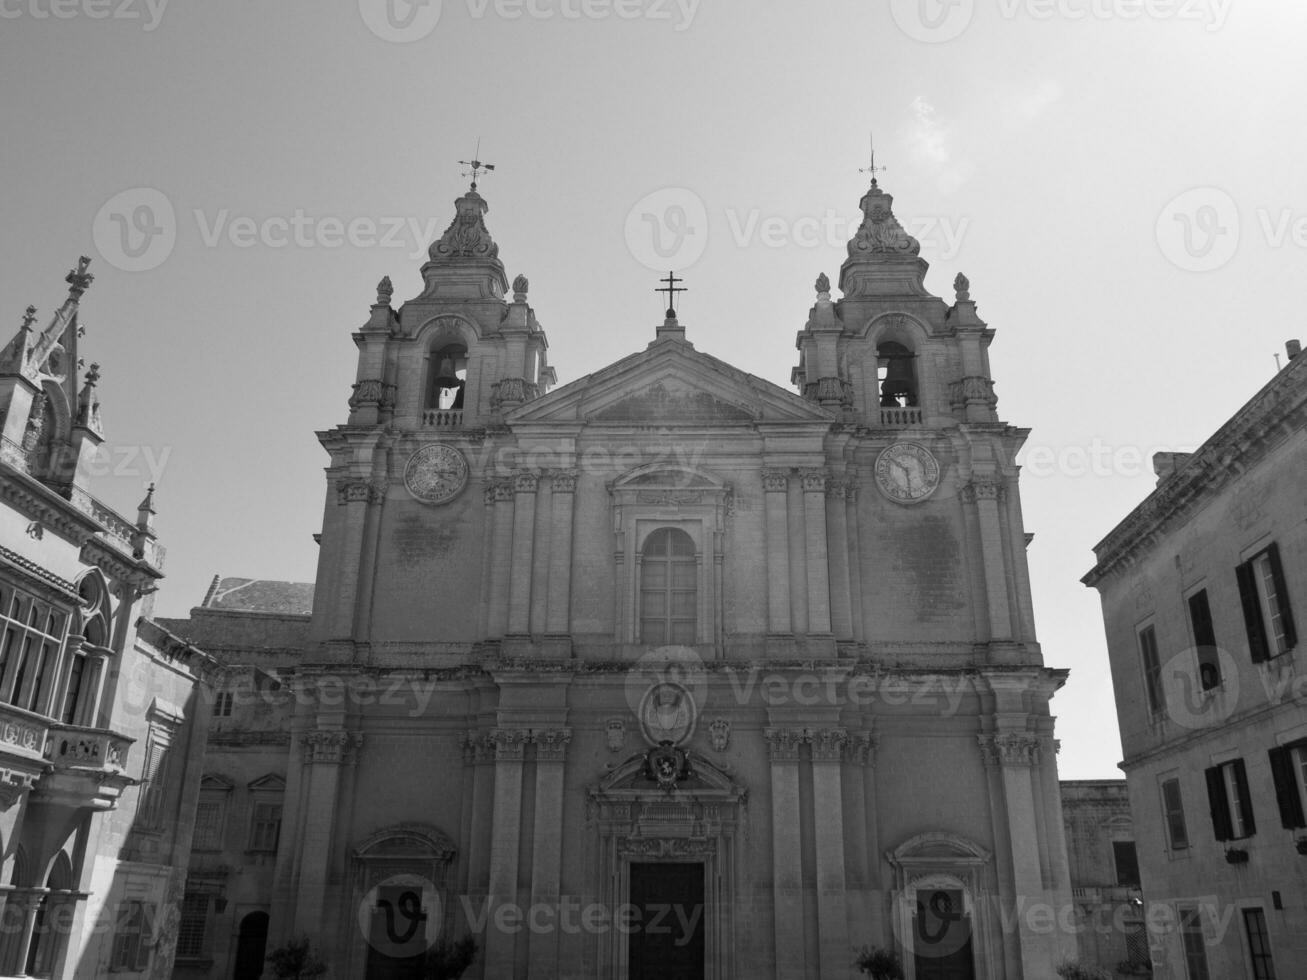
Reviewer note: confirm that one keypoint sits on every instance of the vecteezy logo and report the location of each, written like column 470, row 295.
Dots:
column 933, row 21
column 401, row 916
column 668, row 229
column 1201, row 687
column 401, row 21
column 1198, row 231
column 136, row 230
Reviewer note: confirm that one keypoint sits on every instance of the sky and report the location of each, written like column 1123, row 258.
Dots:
column 1119, row 180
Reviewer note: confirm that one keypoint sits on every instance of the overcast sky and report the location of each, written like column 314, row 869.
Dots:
column 1121, row 180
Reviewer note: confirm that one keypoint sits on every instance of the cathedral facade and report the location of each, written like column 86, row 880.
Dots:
column 668, row 671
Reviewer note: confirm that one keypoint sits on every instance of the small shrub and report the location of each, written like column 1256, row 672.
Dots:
column 447, row 961
column 880, row 964
column 296, row 961
column 1075, row 970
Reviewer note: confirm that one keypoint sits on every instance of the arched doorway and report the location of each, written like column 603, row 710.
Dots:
column 251, row 946
column 45, row 941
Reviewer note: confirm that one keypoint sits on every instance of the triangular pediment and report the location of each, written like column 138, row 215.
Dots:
column 671, row 384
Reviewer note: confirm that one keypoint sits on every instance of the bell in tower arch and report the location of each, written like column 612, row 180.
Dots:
column 450, row 380
column 898, row 375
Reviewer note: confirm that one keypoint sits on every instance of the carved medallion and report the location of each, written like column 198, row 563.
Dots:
column 667, row 714
column 436, row 474
column 907, row 472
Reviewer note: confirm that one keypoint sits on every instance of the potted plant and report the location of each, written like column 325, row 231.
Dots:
column 1075, row 970
column 1236, row 855
column 880, row 964
column 296, row 961
column 1301, row 844
column 447, row 961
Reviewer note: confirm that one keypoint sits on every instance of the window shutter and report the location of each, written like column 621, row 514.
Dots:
column 1252, row 612
column 1220, row 804
column 146, row 941
column 1282, row 596
column 1287, row 796
column 1245, row 798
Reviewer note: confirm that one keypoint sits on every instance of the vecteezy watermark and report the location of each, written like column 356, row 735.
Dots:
column 933, row 21
column 1095, row 459
column 668, row 229
column 406, row 21
column 149, row 12
column 400, row 917
column 1198, row 230
column 572, row 916
column 136, row 230
column 940, row 236
column 1200, row 687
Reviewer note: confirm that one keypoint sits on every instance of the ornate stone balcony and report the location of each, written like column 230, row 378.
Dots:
column 442, row 418
column 897, row 417
column 89, row 766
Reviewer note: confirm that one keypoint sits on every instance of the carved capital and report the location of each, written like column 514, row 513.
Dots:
column 784, row 743
column 551, row 744
column 360, row 492
column 331, row 747
column 509, row 743
column 827, row 744
column 972, row 390
column 837, row 490
column 477, row 748
column 814, row 481
column 367, row 392
column 983, row 488
column 502, row 491
column 563, row 481
column 775, row 481
column 861, row 748
column 525, row 481
column 1009, row 749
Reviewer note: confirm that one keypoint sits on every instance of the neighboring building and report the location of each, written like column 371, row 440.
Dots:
column 99, row 742
column 669, row 636
column 1100, row 845
column 1202, row 586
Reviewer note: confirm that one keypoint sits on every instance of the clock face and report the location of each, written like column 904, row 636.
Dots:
column 435, row 474
column 907, row 472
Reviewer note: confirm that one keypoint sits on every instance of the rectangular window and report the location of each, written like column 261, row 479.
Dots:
column 222, row 704
column 131, row 941
column 209, row 814
column 1259, row 944
column 1173, row 810
column 1127, row 863
column 192, row 925
column 1194, row 944
column 265, row 827
column 1200, row 619
column 1265, row 600
column 33, row 635
column 1289, row 773
column 1152, row 670
column 1231, row 803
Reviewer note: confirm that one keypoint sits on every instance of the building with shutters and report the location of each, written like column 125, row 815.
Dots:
column 667, row 640
column 99, row 740
column 1203, row 586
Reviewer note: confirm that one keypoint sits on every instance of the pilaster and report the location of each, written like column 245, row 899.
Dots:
column 828, row 831
column 525, row 486
column 562, row 493
column 324, row 754
column 505, row 843
column 501, row 561
column 984, row 494
column 547, row 848
column 814, row 483
column 776, row 485
column 787, row 859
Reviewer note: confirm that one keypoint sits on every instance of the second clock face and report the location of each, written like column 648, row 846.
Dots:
column 907, row 472
column 435, row 474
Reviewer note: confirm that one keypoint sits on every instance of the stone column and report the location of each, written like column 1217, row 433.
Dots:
column 324, row 754
column 525, row 485
column 501, row 559
column 547, row 848
column 828, row 827
column 558, row 619
column 787, row 857
column 837, row 532
column 27, row 902
column 88, row 699
column 355, row 496
column 505, row 841
column 478, row 757
column 775, row 485
column 852, row 531
column 985, row 494
column 1013, row 753
column 818, row 560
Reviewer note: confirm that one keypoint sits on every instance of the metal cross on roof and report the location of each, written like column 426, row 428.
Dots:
column 671, row 289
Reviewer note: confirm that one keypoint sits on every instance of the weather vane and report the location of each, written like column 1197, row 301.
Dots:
column 872, row 168
column 478, row 168
column 671, row 289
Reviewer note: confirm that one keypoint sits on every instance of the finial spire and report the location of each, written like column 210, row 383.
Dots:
column 671, row 289
column 871, row 168
column 477, row 167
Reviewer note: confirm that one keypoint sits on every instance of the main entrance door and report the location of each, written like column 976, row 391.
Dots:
column 667, row 938
column 942, row 943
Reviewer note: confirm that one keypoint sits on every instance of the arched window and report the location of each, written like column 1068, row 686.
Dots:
column 669, row 589
column 448, row 375
column 897, row 375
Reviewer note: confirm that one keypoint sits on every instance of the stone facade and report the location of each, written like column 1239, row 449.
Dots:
column 1200, row 587
column 99, row 742
column 668, row 636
